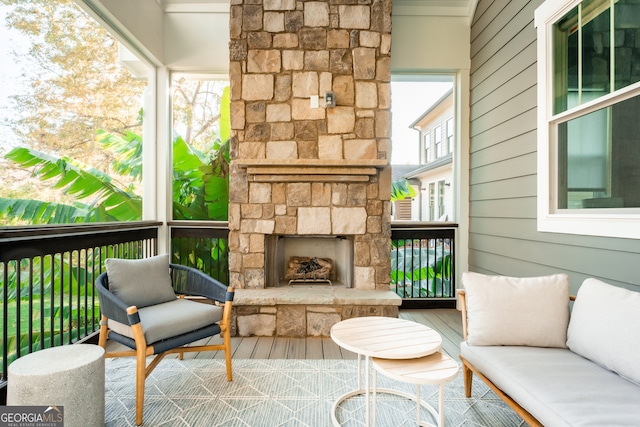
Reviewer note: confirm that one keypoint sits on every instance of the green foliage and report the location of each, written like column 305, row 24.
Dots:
column 44, row 294
column 128, row 150
column 401, row 190
column 421, row 272
column 106, row 201
column 201, row 184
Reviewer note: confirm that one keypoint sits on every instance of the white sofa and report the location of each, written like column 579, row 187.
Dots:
column 552, row 364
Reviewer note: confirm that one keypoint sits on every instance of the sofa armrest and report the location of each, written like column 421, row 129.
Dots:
column 463, row 305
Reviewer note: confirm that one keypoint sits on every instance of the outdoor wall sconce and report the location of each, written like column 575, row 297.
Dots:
column 329, row 99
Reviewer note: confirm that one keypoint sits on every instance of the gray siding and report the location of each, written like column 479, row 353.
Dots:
column 503, row 180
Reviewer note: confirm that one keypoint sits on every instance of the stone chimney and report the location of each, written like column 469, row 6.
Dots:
column 300, row 167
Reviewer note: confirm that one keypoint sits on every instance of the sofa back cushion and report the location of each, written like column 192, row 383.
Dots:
column 605, row 327
column 528, row 311
column 140, row 282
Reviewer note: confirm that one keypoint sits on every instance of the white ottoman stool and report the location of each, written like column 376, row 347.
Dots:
column 71, row 376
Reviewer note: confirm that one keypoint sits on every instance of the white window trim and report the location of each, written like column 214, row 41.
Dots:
column 623, row 223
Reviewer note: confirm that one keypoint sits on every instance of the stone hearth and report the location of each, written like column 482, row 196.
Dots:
column 302, row 311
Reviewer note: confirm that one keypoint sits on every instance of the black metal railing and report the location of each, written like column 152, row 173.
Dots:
column 204, row 246
column 423, row 264
column 47, row 275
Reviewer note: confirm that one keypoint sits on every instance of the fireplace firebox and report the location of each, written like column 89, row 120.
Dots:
column 293, row 260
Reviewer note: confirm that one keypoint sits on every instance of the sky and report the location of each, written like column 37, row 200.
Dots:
column 409, row 100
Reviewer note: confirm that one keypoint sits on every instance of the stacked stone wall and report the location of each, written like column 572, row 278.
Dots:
column 283, row 53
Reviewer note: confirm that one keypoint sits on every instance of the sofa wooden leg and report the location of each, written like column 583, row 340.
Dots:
column 468, row 379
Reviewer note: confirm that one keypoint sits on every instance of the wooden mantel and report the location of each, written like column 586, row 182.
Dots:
column 269, row 170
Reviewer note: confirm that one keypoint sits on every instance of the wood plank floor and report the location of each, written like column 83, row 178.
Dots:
column 447, row 322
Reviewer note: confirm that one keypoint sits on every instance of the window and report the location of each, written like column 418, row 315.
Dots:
column 427, row 147
column 432, row 201
column 441, row 207
column 438, row 139
column 450, row 140
column 588, row 98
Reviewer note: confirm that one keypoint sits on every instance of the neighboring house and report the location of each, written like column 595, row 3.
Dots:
column 436, row 139
column 505, row 171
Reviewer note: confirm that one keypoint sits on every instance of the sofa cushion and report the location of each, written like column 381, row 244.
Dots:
column 557, row 386
column 140, row 282
column 605, row 326
column 529, row 311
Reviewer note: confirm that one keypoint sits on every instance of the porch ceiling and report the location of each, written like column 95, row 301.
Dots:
column 413, row 7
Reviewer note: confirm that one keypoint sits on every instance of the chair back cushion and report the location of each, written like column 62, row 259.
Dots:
column 527, row 311
column 605, row 327
column 140, row 282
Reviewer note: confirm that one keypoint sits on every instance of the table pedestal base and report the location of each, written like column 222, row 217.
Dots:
column 438, row 415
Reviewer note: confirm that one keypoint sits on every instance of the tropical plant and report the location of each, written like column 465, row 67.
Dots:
column 52, row 308
column 401, row 189
column 97, row 197
column 421, row 271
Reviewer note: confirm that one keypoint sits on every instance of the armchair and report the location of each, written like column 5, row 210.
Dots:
column 145, row 306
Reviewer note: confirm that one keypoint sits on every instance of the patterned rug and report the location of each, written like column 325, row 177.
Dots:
column 281, row 392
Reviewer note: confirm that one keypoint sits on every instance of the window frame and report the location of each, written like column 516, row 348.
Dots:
column 620, row 222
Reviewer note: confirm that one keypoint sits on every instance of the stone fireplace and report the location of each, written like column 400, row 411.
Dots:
column 302, row 168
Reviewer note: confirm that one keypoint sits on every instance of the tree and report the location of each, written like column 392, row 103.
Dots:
column 71, row 79
column 76, row 101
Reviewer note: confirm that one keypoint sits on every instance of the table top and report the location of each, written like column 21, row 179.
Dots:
column 386, row 337
column 437, row 368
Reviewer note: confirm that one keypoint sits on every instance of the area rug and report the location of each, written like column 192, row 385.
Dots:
column 281, row 392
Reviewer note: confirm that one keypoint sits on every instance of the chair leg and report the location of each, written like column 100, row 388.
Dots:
column 141, row 365
column 227, row 352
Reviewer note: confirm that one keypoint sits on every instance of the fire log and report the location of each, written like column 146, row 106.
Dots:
column 309, row 268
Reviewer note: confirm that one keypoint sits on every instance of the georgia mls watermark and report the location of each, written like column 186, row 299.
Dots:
column 31, row 416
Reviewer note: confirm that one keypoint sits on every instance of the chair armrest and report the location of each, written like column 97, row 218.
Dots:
column 190, row 281
column 110, row 305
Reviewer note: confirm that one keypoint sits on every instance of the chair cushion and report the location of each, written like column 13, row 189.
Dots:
column 605, row 326
column 140, row 282
column 528, row 311
column 170, row 319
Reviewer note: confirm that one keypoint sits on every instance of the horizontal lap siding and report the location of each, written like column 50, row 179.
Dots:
column 503, row 235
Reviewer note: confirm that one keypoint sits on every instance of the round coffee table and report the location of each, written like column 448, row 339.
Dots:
column 437, row 368
column 381, row 337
